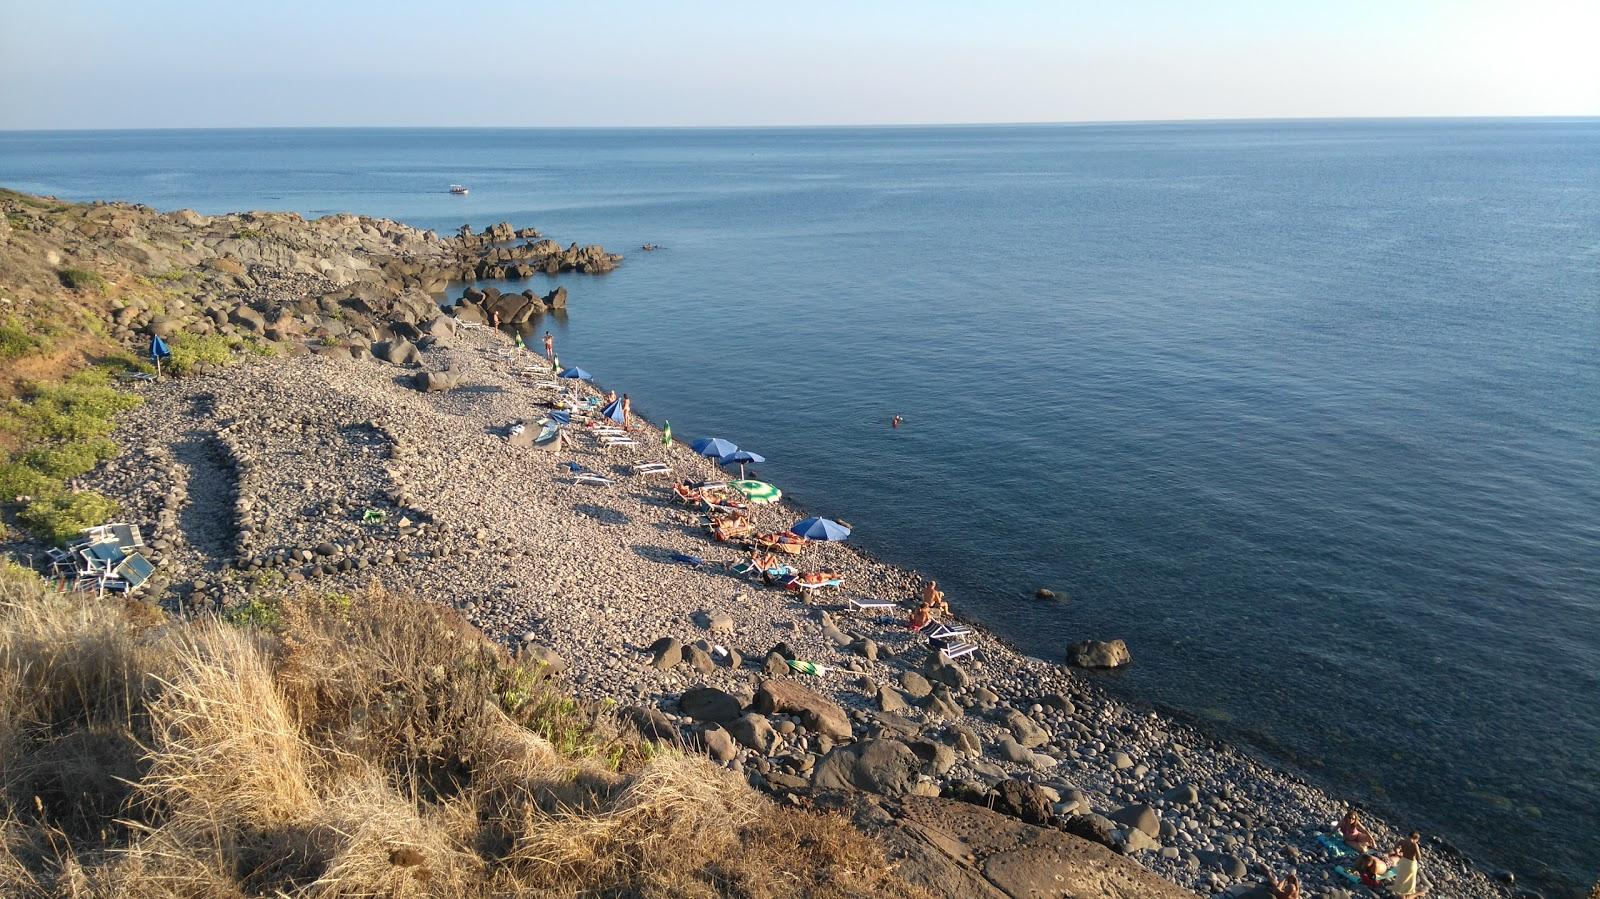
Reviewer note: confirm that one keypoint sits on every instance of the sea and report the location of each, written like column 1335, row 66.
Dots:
column 1307, row 412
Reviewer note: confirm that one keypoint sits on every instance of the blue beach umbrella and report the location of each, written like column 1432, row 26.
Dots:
column 715, row 447
column 613, row 411
column 820, row 529
column 575, row 373
column 741, row 458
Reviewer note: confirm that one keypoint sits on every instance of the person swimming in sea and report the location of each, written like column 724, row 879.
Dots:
column 896, row 421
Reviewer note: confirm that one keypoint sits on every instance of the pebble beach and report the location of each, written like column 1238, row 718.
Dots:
column 331, row 470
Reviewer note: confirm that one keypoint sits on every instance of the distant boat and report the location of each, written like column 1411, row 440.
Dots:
column 458, row 189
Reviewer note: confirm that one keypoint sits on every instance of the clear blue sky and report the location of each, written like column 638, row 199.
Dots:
column 168, row 63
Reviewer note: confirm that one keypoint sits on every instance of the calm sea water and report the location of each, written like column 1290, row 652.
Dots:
column 1308, row 413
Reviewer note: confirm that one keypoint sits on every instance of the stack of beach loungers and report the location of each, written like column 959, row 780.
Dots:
column 107, row 559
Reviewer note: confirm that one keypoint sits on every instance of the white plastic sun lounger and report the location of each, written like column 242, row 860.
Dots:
column 608, row 432
column 955, row 652
column 618, row 441
column 815, row 588
column 652, row 468
column 944, row 632
column 869, row 605
column 592, row 480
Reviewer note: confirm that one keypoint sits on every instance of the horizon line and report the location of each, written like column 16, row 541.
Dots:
column 835, row 125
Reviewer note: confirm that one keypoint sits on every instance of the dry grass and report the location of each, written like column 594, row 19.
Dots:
column 365, row 747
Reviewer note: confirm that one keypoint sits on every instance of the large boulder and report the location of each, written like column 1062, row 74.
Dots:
column 249, row 319
column 885, row 767
column 754, row 731
column 775, row 697
column 1140, row 816
column 1028, row 733
column 398, row 351
column 439, row 326
column 1024, row 800
column 1099, row 654
column 709, row 704
column 650, row 723
column 436, row 381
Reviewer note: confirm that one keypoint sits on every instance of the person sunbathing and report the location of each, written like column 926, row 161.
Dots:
column 1354, row 833
column 1287, row 888
column 1371, row 869
column 730, row 528
column 921, row 618
column 933, row 597
column 763, row 561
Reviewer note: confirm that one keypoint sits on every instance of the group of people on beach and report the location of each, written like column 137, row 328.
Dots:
column 931, row 607
column 1396, row 874
column 1374, row 867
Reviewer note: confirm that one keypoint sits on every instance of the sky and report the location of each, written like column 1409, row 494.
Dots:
column 171, row 63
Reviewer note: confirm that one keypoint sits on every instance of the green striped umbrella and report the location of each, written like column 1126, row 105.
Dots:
column 758, row 492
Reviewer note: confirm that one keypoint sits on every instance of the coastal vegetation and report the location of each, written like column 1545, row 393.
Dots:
column 356, row 746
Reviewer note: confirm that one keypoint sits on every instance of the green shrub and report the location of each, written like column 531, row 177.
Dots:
column 17, row 479
column 82, row 279
column 73, row 459
column 63, row 516
column 260, row 613
column 78, row 409
column 191, row 350
column 177, row 274
column 249, row 234
column 18, row 340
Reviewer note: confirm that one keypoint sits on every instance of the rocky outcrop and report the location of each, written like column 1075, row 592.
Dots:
column 339, row 280
column 1099, row 654
column 956, row 849
column 884, row 767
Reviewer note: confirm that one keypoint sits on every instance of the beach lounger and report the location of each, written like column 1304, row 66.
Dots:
column 134, row 571
column 592, row 480
column 799, row 587
column 618, row 441
column 945, row 632
column 960, row 650
column 608, row 432
column 652, row 468
column 869, row 605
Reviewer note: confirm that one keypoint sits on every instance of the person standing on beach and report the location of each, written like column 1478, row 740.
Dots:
column 627, row 407
column 549, row 347
column 1407, row 883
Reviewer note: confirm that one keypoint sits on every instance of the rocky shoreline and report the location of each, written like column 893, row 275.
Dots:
column 586, row 577
column 373, row 445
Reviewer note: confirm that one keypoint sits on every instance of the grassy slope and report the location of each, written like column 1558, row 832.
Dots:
column 369, row 746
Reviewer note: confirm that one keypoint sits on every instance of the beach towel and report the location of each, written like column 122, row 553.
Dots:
column 691, row 561
column 1335, row 846
column 807, row 667
column 1407, row 873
